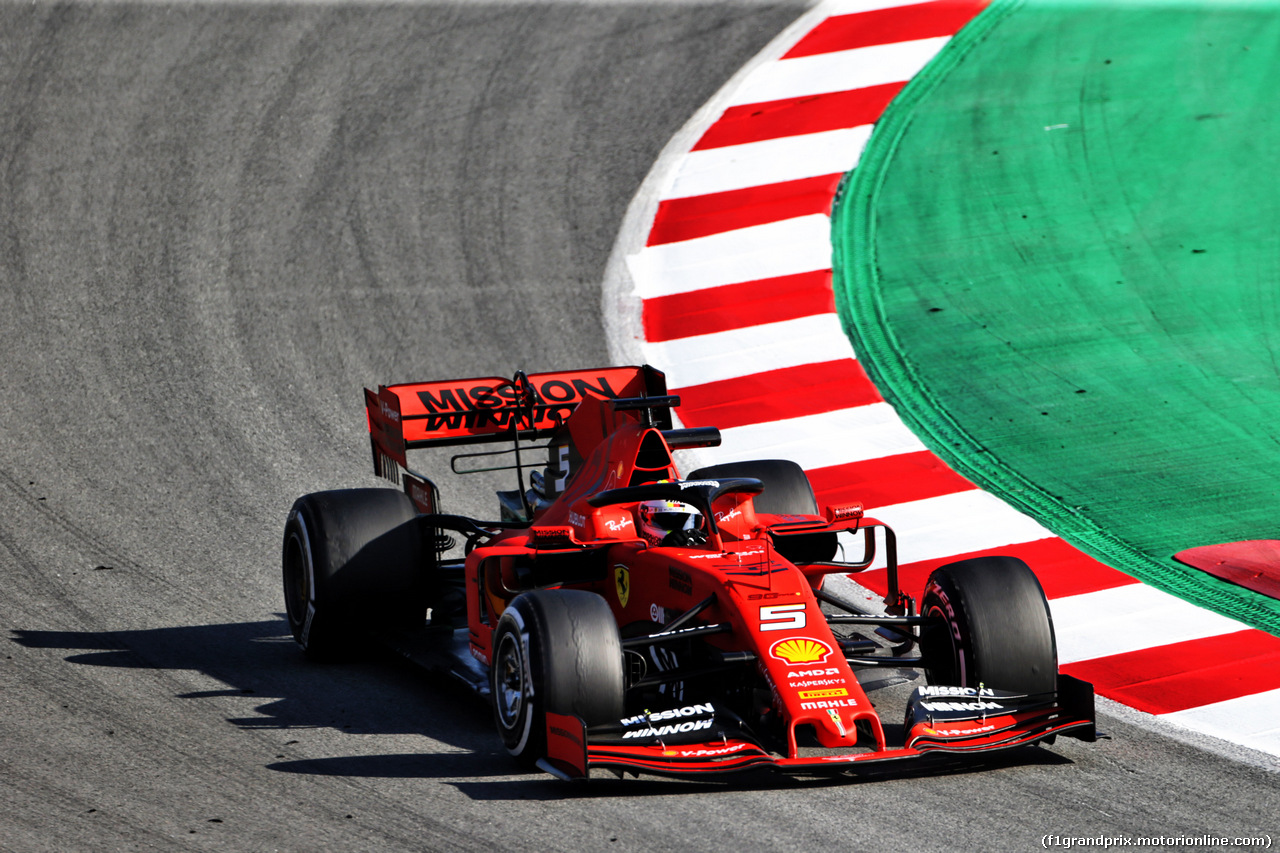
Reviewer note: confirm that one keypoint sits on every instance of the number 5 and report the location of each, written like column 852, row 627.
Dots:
column 781, row 617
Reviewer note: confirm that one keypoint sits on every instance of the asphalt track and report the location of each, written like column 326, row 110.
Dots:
column 217, row 223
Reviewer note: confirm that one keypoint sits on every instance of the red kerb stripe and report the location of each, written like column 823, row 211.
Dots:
column 797, row 116
column 738, row 306
column 1164, row 679
column 892, row 479
column 702, row 215
column 1062, row 569
column 777, row 394
column 887, row 26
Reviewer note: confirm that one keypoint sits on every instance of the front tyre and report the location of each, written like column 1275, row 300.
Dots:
column 352, row 559
column 558, row 651
column 992, row 627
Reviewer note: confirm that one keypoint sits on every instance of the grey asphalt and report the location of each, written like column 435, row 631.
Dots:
column 217, row 224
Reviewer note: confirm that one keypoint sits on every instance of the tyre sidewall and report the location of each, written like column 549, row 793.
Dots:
column 357, row 562
column 996, row 627
column 946, row 646
column 570, row 656
column 523, row 727
column 299, row 576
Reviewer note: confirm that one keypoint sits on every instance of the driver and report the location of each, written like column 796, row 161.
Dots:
column 671, row 523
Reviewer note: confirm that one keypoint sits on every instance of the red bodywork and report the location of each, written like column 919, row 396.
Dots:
column 760, row 603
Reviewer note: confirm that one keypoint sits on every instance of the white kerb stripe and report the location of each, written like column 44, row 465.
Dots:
column 1252, row 721
column 837, row 72
column 781, row 248
column 958, row 523
column 822, row 440
column 755, row 349
column 832, row 8
column 770, row 161
column 1129, row 618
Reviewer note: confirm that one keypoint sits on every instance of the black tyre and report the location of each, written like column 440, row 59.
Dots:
column 559, row 651
column 995, row 627
column 787, row 490
column 353, row 559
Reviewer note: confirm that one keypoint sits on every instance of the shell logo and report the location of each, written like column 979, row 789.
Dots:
column 800, row 650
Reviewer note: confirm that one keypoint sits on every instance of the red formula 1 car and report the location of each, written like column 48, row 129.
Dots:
column 622, row 616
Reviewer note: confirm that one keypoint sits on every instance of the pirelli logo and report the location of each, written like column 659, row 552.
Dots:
column 833, row 693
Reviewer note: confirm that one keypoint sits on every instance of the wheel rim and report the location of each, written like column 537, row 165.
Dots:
column 955, row 663
column 509, row 682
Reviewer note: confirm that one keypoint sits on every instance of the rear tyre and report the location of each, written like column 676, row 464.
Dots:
column 994, row 627
column 558, row 651
column 352, row 560
column 787, row 490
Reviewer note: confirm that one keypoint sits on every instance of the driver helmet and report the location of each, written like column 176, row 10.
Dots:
column 659, row 519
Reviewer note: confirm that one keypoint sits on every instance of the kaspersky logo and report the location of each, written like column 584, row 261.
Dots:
column 798, row 650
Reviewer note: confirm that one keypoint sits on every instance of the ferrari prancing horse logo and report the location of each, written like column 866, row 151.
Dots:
column 622, row 580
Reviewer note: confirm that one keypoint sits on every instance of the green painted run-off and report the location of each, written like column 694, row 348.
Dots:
column 1059, row 258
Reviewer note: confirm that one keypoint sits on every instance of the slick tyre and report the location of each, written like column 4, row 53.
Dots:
column 787, row 490
column 353, row 560
column 992, row 627
column 557, row 651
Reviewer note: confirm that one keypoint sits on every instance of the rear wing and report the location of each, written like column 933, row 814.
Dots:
column 455, row 412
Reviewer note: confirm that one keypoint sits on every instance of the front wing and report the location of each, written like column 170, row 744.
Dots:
column 573, row 751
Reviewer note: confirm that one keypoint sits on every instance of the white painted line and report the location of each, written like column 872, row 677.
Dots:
column 1129, row 618
column 780, row 248
column 1252, row 721
column 958, row 523
column 755, row 349
column 837, row 72
column 769, row 161
column 818, row 441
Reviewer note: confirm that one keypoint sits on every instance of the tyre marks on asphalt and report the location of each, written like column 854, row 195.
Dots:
column 733, row 277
